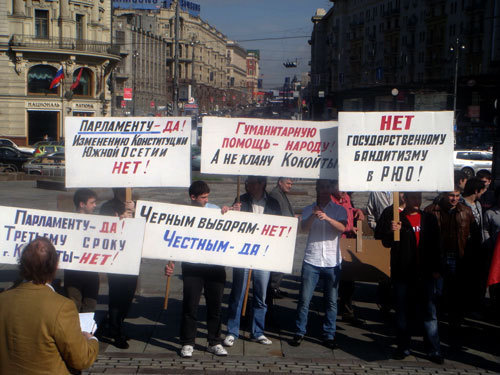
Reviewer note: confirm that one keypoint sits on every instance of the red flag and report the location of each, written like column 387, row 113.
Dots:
column 77, row 82
column 494, row 276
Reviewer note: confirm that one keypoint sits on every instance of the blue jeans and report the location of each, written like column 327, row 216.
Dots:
column 419, row 294
column 310, row 277
column 259, row 307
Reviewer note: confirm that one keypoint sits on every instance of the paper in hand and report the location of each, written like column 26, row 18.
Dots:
column 87, row 322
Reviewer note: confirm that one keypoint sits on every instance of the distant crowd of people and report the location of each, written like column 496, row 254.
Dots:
column 439, row 265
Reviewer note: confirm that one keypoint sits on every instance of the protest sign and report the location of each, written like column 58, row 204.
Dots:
column 204, row 235
column 128, row 151
column 243, row 146
column 84, row 242
column 396, row 151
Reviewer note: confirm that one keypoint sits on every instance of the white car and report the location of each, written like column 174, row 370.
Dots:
column 8, row 142
column 472, row 161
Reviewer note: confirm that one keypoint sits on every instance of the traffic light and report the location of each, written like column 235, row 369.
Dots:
column 290, row 64
column 170, row 109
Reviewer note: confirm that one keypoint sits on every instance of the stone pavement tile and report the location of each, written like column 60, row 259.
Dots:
column 253, row 349
column 122, row 370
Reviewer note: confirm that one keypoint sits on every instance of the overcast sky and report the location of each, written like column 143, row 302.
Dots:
column 252, row 19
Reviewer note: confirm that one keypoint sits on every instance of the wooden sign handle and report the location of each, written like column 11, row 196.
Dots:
column 247, row 289
column 395, row 212
column 359, row 236
column 167, row 291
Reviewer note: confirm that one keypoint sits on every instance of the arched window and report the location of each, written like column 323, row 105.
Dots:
column 39, row 79
column 84, row 87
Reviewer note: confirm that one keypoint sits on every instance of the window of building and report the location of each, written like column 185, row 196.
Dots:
column 79, row 26
column 41, row 23
column 85, row 86
column 39, row 79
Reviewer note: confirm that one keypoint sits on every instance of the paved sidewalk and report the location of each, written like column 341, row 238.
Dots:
column 153, row 332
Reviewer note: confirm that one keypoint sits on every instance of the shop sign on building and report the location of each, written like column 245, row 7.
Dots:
column 43, row 105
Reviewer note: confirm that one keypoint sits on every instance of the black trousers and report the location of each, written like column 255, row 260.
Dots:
column 211, row 279
column 121, row 293
column 83, row 288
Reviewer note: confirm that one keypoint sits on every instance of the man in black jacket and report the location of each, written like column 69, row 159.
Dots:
column 279, row 193
column 415, row 272
column 256, row 200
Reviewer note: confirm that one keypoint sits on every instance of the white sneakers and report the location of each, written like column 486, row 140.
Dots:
column 187, row 351
column 263, row 340
column 229, row 341
column 217, row 350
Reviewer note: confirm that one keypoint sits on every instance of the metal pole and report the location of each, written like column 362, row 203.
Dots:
column 456, row 82
column 112, row 77
column 134, row 94
column 176, row 60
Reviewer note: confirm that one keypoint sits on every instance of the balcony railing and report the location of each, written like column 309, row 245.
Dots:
column 19, row 40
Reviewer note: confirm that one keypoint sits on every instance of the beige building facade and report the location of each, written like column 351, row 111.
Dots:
column 150, row 42
column 37, row 38
column 237, row 74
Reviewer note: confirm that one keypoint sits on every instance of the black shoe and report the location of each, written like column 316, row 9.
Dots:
column 120, row 342
column 278, row 293
column 352, row 320
column 330, row 344
column 297, row 339
column 436, row 358
column 400, row 354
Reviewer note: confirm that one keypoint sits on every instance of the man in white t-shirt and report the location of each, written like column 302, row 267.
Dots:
column 325, row 222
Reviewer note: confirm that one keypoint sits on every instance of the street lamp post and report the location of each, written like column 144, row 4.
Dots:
column 455, row 47
column 193, row 43
column 134, row 79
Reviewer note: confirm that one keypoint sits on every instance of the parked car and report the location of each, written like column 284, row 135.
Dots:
column 195, row 158
column 10, row 143
column 45, row 149
column 46, row 165
column 12, row 159
column 472, row 161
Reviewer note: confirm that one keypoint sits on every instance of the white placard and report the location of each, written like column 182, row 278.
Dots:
column 84, row 242
column 396, row 151
column 204, row 235
column 244, row 146
column 128, row 151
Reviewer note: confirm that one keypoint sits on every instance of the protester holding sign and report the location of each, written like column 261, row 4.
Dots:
column 415, row 272
column 197, row 277
column 325, row 222
column 121, row 287
column 256, row 200
column 279, row 193
column 40, row 329
column 81, row 286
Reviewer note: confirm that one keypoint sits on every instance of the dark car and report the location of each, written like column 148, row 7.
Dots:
column 46, row 165
column 12, row 160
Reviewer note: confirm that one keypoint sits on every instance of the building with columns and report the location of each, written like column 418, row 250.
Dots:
column 37, row 38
